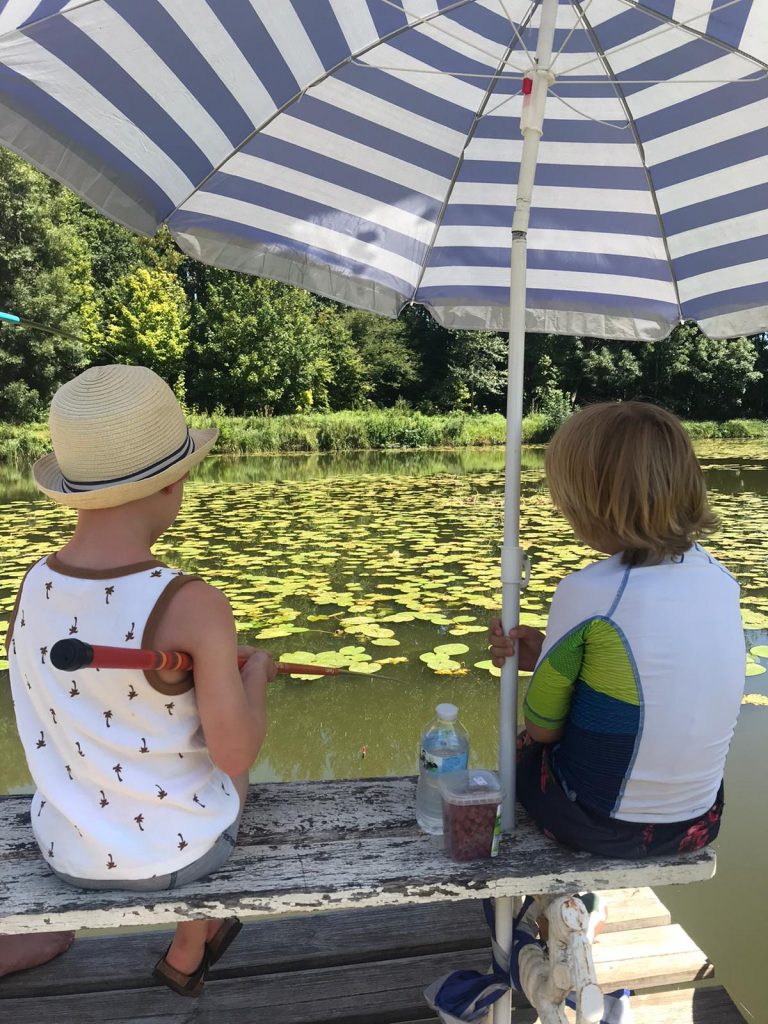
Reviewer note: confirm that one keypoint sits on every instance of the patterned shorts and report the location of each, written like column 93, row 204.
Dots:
column 571, row 823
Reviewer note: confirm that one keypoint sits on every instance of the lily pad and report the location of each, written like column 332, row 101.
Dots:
column 275, row 632
column 366, row 667
column 753, row 669
column 488, row 666
column 449, row 649
column 761, row 651
column 439, row 664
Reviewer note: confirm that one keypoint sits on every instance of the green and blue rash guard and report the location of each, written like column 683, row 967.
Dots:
column 644, row 669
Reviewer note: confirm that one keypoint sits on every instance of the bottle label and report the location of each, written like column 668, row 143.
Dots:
column 437, row 765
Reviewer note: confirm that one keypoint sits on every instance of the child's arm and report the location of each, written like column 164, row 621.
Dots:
column 531, row 642
column 548, row 698
column 232, row 703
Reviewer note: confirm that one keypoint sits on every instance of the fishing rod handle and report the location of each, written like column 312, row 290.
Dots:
column 71, row 654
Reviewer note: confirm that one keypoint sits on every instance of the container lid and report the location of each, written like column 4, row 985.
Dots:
column 447, row 712
column 471, row 786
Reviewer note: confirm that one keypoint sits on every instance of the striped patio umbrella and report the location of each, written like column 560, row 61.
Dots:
column 383, row 152
column 370, row 149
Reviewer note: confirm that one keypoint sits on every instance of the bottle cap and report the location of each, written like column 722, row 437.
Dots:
column 447, row 712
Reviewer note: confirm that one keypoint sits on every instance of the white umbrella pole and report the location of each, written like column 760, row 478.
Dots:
column 513, row 559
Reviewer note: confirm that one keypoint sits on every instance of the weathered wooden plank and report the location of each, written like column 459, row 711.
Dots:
column 314, row 941
column 688, row 1006
column 357, row 995
column 361, row 994
column 270, row 946
column 124, row 963
column 633, row 908
column 293, row 861
column 648, row 957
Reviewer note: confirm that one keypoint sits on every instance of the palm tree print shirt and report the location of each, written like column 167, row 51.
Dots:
column 118, row 758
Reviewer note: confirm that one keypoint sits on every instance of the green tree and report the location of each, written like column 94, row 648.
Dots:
column 114, row 251
column 349, row 383
column 390, row 365
column 45, row 276
column 700, row 377
column 457, row 369
column 584, row 369
column 756, row 398
column 259, row 347
column 148, row 324
column 611, row 371
column 477, row 369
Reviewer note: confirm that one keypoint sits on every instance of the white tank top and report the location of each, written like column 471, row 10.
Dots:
column 126, row 788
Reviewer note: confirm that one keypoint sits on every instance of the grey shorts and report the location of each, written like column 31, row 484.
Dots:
column 211, row 861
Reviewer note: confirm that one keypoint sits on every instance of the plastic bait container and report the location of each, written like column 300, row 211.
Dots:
column 471, row 813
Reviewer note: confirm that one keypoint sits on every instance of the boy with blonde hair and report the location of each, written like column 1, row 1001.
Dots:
column 140, row 776
column 638, row 682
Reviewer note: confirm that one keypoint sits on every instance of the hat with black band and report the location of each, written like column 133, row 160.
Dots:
column 118, row 434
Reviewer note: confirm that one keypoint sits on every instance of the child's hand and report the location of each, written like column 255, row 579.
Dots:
column 259, row 662
column 503, row 647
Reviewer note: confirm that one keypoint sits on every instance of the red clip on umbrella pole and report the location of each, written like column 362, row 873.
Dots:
column 71, row 654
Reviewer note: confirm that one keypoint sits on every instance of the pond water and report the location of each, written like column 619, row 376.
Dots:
column 376, row 561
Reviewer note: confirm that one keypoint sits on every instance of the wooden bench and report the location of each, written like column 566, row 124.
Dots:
column 306, row 847
column 309, row 847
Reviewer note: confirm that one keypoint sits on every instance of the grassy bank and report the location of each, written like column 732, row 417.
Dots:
column 350, row 431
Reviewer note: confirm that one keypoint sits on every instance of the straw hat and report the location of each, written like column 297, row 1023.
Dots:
column 118, row 435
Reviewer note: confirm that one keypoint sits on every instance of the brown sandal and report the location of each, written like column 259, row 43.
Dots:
column 222, row 940
column 182, row 984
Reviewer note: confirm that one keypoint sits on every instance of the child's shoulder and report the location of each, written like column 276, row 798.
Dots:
column 602, row 572
column 590, row 590
column 699, row 555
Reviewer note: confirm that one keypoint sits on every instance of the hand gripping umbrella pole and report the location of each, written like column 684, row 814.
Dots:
column 71, row 654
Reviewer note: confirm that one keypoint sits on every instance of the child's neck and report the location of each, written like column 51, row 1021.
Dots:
column 108, row 538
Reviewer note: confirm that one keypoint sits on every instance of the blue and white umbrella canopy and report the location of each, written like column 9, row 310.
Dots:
column 369, row 149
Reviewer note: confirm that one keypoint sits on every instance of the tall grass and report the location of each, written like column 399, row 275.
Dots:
column 377, row 429
column 353, row 431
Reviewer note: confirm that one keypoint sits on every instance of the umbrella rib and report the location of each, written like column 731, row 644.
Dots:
column 687, row 27
column 638, row 142
column 56, row 14
column 460, row 159
column 311, row 85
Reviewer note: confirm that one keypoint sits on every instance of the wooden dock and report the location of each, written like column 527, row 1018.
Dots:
column 359, row 967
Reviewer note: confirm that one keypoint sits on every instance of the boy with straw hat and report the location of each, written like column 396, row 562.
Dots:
column 140, row 776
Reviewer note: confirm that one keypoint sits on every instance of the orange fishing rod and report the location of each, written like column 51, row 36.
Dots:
column 71, row 654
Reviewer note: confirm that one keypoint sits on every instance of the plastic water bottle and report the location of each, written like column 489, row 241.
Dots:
column 444, row 748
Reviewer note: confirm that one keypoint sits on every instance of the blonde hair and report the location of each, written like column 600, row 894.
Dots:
column 627, row 471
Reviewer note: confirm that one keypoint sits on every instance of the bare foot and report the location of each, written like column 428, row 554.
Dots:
column 20, row 952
